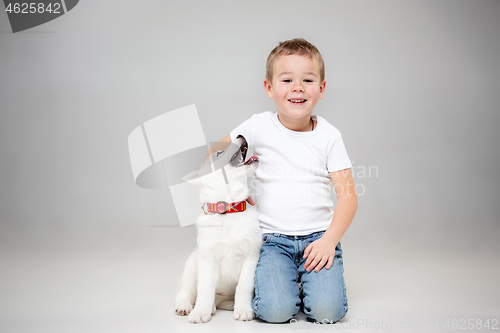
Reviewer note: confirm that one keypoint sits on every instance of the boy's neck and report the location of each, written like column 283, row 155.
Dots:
column 298, row 125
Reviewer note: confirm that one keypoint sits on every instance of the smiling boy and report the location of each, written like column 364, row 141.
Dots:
column 295, row 102
column 300, row 265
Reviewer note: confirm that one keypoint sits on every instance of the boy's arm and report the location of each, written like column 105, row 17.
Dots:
column 221, row 145
column 322, row 251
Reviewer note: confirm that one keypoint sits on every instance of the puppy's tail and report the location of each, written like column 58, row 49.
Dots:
column 226, row 305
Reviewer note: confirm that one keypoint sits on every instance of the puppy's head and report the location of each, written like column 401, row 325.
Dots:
column 223, row 175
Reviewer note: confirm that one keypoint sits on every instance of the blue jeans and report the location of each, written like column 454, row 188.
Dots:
column 283, row 286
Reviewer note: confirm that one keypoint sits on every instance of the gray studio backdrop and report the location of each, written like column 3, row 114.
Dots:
column 414, row 87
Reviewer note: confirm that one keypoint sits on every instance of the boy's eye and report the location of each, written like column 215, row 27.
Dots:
column 307, row 80
column 287, row 80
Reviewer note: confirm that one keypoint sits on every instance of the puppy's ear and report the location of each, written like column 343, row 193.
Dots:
column 192, row 178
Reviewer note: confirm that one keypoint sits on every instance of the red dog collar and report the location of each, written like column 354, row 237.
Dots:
column 223, row 207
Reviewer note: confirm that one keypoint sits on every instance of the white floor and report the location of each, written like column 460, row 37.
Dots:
column 397, row 279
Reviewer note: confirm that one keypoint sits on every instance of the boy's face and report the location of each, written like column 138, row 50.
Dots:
column 295, row 86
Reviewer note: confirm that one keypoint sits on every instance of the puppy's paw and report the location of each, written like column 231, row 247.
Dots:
column 199, row 316
column 183, row 308
column 244, row 314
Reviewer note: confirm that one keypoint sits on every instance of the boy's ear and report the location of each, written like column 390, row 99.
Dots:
column 322, row 87
column 267, row 86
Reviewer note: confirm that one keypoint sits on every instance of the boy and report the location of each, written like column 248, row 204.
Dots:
column 300, row 265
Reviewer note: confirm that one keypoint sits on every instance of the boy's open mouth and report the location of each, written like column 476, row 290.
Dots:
column 297, row 101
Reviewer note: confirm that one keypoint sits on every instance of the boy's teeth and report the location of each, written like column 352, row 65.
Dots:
column 297, row 100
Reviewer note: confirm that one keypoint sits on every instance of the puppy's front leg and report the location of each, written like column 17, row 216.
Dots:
column 186, row 297
column 208, row 276
column 245, row 288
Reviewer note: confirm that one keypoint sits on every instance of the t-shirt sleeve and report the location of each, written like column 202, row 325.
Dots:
column 337, row 156
column 244, row 129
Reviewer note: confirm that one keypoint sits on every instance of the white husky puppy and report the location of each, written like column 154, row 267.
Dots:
column 220, row 272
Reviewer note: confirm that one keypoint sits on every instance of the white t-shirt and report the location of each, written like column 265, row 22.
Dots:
column 292, row 184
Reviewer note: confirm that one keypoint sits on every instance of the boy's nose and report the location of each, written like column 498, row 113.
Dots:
column 298, row 87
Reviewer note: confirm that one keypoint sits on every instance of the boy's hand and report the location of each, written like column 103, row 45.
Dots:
column 319, row 253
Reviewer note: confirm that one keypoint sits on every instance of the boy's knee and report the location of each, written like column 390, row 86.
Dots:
column 275, row 310
column 277, row 314
column 327, row 312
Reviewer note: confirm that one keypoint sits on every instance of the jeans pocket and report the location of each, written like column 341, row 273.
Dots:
column 266, row 238
column 338, row 251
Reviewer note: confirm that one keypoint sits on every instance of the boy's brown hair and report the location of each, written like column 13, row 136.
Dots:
column 297, row 46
